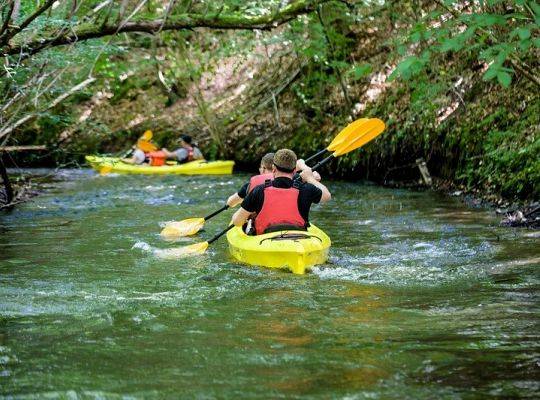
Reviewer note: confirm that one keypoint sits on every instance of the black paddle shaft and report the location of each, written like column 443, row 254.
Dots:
column 322, row 162
column 314, row 156
column 220, row 234
column 216, row 212
column 315, row 167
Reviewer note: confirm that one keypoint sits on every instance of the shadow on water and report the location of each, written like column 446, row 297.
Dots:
column 421, row 298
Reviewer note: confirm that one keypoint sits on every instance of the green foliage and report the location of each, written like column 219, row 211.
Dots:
column 509, row 167
column 360, row 71
column 494, row 38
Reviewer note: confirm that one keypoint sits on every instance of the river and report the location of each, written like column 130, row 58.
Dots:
column 422, row 297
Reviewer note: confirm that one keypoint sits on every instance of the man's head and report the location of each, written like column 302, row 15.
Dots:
column 267, row 162
column 185, row 139
column 284, row 163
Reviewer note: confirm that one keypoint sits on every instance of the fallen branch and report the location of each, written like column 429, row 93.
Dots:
column 74, row 89
column 7, row 130
column 179, row 22
column 23, row 148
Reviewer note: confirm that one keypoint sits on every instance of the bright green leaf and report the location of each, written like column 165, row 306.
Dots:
column 361, row 71
column 524, row 33
column 491, row 73
column 504, row 78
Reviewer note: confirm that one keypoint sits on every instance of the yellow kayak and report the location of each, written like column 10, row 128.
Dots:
column 296, row 251
column 198, row 167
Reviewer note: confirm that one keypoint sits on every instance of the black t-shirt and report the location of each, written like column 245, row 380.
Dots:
column 242, row 193
column 308, row 195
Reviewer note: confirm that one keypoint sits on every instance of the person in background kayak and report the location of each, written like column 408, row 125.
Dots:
column 138, row 157
column 265, row 172
column 282, row 203
column 187, row 151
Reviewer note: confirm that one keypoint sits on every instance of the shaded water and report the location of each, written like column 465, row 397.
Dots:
column 422, row 298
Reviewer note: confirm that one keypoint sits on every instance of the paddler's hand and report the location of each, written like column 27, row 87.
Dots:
column 301, row 165
column 308, row 175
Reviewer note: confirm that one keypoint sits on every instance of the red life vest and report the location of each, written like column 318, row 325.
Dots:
column 280, row 209
column 259, row 180
column 156, row 158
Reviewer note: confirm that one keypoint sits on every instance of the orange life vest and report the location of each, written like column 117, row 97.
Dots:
column 156, row 158
column 279, row 210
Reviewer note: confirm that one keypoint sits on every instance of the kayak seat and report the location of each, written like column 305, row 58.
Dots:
column 291, row 236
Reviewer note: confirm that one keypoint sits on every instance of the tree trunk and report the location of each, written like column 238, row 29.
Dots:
column 6, row 195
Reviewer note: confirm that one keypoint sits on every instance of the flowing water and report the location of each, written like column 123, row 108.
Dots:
column 422, row 298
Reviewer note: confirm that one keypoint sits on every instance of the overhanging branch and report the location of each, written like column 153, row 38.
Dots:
column 173, row 22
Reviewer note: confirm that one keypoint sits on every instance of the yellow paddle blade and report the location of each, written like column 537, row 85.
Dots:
column 358, row 130
column 184, row 251
column 104, row 170
column 186, row 227
column 345, row 132
column 147, row 135
column 376, row 128
column 146, row 146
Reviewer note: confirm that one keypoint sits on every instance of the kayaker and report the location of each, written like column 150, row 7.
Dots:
column 186, row 152
column 138, row 156
column 153, row 158
column 265, row 172
column 281, row 203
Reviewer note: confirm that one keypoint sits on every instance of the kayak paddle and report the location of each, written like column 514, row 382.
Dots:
column 196, row 248
column 355, row 143
column 147, row 135
column 358, row 127
column 188, row 226
column 339, row 138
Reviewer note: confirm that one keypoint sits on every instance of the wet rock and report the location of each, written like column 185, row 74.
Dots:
column 527, row 217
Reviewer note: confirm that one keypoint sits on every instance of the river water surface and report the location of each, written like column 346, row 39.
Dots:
column 422, row 298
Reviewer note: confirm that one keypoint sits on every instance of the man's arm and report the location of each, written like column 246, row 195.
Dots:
column 309, row 176
column 234, row 200
column 251, row 204
column 239, row 196
column 168, row 154
column 240, row 217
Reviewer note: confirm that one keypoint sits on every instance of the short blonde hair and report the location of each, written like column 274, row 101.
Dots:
column 285, row 160
column 267, row 161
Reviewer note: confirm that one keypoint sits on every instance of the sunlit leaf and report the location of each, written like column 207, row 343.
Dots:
column 504, row 78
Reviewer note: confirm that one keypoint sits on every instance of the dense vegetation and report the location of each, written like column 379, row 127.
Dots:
column 456, row 81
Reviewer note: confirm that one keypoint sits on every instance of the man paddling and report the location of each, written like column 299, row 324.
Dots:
column 281, row 203
column 186, row 152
